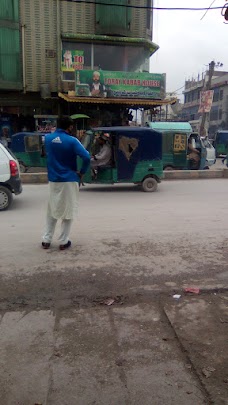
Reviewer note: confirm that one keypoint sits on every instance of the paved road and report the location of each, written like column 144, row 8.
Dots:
column 60, row 344
column 172, row 236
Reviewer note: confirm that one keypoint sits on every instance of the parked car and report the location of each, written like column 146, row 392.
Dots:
column 10, row 181
column 211, row 152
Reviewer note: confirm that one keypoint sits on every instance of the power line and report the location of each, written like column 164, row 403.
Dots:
column 145, row 7
column 209, row 8
column 178, row 89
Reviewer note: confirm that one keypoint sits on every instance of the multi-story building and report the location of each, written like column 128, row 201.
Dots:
column 219, row 111
column 47, row 40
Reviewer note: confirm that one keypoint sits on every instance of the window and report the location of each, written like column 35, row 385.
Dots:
column 206, row 143
column 216, row 95
column 214, row 114
column 221, row 95
column 113, row 57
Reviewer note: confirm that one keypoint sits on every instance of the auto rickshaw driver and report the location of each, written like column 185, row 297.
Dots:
column 193, row 153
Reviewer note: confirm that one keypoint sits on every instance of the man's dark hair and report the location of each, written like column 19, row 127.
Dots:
column 64, row 123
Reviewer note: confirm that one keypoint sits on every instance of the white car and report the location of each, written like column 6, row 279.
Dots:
column 211, row 153
column 10, row 182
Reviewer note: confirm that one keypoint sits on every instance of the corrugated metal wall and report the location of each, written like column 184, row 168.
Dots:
column 77, row 18
column 40, row 20
column 139, row 20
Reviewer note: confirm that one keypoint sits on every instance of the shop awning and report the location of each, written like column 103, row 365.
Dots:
column 121, row 101
column 78, row 116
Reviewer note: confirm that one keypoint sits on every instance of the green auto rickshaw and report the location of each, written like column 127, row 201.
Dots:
column 176, row 140
column 136, row 156
column 220, row 143
column 28, row 147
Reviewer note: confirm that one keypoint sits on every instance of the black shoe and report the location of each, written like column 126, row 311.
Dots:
column 45, row 245
column 66, row 246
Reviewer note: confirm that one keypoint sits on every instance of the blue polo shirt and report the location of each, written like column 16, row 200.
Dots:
column 62, row 151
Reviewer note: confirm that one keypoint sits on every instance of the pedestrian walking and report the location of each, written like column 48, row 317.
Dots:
column 62, row 150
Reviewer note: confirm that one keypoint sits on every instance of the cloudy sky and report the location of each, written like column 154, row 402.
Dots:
column 186, row 43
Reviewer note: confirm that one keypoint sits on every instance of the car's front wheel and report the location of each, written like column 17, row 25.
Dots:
column 6, row 198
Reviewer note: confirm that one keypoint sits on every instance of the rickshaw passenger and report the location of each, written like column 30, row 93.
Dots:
column 104, row 156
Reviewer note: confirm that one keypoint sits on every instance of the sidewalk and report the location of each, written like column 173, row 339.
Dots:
column 201, row 325
column 150, row 353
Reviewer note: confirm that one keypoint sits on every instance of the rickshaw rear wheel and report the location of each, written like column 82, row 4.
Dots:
column 168, row 168
column 149, row 184
column 23, row 168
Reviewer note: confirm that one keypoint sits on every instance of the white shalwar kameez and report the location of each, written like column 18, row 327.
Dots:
column 62, row 204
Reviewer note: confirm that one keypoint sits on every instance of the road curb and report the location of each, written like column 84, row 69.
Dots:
column 195, row 174
column 34, row 178
column 41, row 178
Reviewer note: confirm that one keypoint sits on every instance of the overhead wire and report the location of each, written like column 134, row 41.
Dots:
column 145, row 7
column 209, row 8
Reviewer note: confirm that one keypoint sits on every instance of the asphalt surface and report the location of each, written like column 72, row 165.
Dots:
column 61, row 343
column 175, row 235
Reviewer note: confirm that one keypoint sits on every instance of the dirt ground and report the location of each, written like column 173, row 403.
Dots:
column 60, row 341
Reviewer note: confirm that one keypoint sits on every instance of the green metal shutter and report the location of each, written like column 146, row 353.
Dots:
column 9, row 10
column 10, row 72
column 113, row 20
column 10, row 67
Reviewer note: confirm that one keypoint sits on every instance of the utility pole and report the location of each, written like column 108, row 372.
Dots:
column 207, row 86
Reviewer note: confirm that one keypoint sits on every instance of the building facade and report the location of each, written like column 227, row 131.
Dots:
column 108, row 38
column 219, row 111
column 54, row 38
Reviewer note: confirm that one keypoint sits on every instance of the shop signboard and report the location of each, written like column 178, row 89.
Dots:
column 46, row 123
column 72, row 60
column 112, row 84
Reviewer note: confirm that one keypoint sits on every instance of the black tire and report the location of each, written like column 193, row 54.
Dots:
column 149, row 184
column 23, row 168
column 6, row 198
column 169, row 168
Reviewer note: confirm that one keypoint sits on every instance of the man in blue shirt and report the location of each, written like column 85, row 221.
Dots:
column 62, row 151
